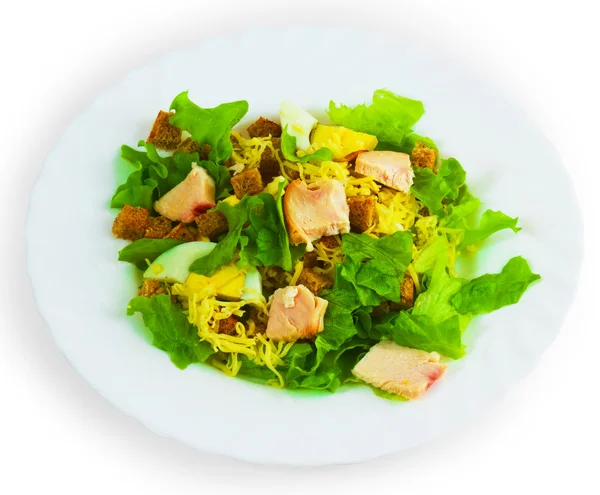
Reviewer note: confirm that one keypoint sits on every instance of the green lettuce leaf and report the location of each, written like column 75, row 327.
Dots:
column 421, row 332
column 171, row 330
column 288, row 148
column 493, row 291
column 432, row 189
column 427, row 259
column 136, row 191
column 389, row 117
column 210, row 126
column 491, row 222
column 146, row 249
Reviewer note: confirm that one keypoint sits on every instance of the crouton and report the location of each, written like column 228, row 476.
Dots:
column 407, row 292
column 158, row 227
column 269, row 165
column 310, row 260
column 424, row 212
column 362, row 212
column 227, row 326
column 131, row 223
column 180, row 232
column 422, row 156
column 164, row 135
column 212, row 224
column 264, row 128
column 151, row 288
column 329, row 242
column 313, row 281
column 259, row 325
column 189, row 146
column 247, row 183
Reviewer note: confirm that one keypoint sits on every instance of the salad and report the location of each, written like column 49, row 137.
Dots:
column 306, row 254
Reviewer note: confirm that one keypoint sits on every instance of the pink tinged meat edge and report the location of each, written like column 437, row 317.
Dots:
column 390, row 168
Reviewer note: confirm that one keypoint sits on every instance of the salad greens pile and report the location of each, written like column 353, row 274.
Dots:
column 372, row 269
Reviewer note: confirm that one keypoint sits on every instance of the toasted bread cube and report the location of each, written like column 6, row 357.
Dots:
column 248, row 183
column 269, row 165
column 151, row 287
column 181, row 233
column 188, row 146
column 131, row 223
column 158, row 227
column 329, row 242
column 259, row 325
column 310, row 260
column 164, row 135
column 422, row 156
column 407, row 292
column 264, row 128
column 313, row 281
column 227, row 325
column 362, row 212
column 212, row 224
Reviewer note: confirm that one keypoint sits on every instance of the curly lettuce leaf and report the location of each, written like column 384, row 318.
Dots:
column 288, row 148
column 210, row 126
column 136, row 191
column 143, row 250
column 493, row 291
column 490, row 223
column 390, row 117
column 433, row 189
column 171, row 330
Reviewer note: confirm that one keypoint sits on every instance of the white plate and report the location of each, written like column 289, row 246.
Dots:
column 82, row 291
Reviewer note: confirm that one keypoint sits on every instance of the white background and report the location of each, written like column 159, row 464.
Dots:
column 57, row 434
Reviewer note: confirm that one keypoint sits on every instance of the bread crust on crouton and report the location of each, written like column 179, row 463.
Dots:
column 363, row 212
column 329, row 242
column 407, row 292
column 181, row 233
column 310, row 260
column 131, row 223
column 163, row 134
column 188, row 146
column 151, row 288
column 227, row 326
column 269, row 165
column 264, row 128
column 158, row 227
column 422, row 156
column 211, row 224
column 313, row 281
column 248, row 183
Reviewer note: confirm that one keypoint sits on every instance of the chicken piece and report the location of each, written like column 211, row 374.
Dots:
column 164, row 135
column 295, row 314
column 389, row 168
column 264, row 128
column 315, row 210
column 399, row 370
column 131, row 223
column 190, row 198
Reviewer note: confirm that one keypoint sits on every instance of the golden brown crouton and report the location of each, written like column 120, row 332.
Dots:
column 362, row 212
column 422, row 156
column 259, row 325
column 248, row 183
column 158, row 227
column 181, row 233
column 227, row 326
column 269, row 165
column 264, row 128
column 131, row 223
column 151, row 288
column 212, row 224
column 188, row 146
column 329, row 242
column 164, row 135
column 407, row 292
column 310, row 260
column 313, row 281
column 424, row 211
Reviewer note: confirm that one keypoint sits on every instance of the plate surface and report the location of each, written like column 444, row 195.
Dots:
column 82, row 291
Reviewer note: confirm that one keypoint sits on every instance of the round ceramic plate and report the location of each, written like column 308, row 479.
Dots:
column 82, row 291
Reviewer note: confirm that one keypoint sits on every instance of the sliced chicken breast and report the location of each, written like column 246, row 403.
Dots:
column 389, row 168
column 315, row 210
column 295, row 314
column 399, row 370
column 190, row 198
